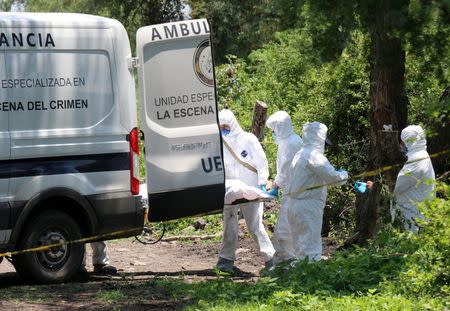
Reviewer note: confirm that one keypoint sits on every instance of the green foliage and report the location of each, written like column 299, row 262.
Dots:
column 238, row 27
column 428, row 268
column 110, row 296
column 334, row 93
column 5, row 5
column 397, row 271
column 427, row 70
column 184, row 226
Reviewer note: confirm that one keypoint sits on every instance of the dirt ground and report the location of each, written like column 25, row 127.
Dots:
column 170, row 258
column 190, row 261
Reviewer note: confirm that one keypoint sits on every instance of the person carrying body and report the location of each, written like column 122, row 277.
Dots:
column 244, row 159
column 288, row 144
column 415, row 181
column 310, row 175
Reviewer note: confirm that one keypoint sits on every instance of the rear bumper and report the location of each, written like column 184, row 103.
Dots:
column 119, row 214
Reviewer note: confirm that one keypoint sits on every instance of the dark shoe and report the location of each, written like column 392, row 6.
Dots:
column 269, row 264
column 105, row 269
column 225, row 265
column 269, row 267
column 82, row 271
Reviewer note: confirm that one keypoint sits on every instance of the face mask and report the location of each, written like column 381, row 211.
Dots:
column 225, row 132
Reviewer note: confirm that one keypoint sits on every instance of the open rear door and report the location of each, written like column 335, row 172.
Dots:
column 178, row 112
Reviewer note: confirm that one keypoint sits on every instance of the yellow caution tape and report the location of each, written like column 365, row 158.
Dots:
column 82, row 240
column 120, row 232
column 371, row 173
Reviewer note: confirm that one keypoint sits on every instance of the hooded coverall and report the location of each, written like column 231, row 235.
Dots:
column 247, row 147
column 288, row 144
column 415, row 181
column 310, row 175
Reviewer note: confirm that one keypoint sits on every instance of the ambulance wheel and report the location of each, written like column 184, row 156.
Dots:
column 56, row 264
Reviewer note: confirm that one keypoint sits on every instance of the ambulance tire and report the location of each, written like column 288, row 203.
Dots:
column 55, row 265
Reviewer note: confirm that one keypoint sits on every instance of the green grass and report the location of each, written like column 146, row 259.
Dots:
column 357, row 279
column 374, row 278
column 111, row 296
column 396, row 271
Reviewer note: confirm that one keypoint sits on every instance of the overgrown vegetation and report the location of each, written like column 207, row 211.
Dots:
column 396, row 271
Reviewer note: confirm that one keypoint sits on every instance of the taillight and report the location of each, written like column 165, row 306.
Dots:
column 134, row 161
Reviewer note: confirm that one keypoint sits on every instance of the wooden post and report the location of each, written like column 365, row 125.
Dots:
column 259, row 119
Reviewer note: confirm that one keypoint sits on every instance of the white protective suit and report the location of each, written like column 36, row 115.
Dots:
column 415, row 181
column 247, row 147
column 310, row 175
column 288, row 144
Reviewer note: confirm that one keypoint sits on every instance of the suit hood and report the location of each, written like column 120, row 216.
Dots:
column 314, row 135
column 226, row 117
column 280, row 122
column 414, row 139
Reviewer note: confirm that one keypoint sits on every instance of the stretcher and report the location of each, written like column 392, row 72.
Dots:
column 236, row 192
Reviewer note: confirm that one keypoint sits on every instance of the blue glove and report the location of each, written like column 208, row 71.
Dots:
column 361, row 187
column 341, row 170
column 273, row 192
column 262, row 187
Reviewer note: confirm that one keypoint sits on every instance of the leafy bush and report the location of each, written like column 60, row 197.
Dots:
column 428, row 269
column 397, row 271
column 289, row 75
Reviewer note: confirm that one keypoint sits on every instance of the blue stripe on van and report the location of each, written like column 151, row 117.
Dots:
column 65, row 165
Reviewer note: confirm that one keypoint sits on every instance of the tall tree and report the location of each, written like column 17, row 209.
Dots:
column 389, row 25
column 392, row 26
column 385, row 20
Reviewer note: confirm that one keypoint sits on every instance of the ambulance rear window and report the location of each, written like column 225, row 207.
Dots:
column 56, row 89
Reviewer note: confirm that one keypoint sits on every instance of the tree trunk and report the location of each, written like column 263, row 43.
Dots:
column 259, row 119
column 388, row 106
column 440, row 141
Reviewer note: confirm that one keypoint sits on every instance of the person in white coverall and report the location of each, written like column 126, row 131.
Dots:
column 288, row 144
column 247, row 162
column 100, row 259
column 310, row 175
column 415, row 181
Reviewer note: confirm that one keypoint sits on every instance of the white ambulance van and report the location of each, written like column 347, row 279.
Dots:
column 69, row 146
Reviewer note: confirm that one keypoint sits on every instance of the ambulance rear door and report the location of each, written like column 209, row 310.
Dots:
column 178, row 115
